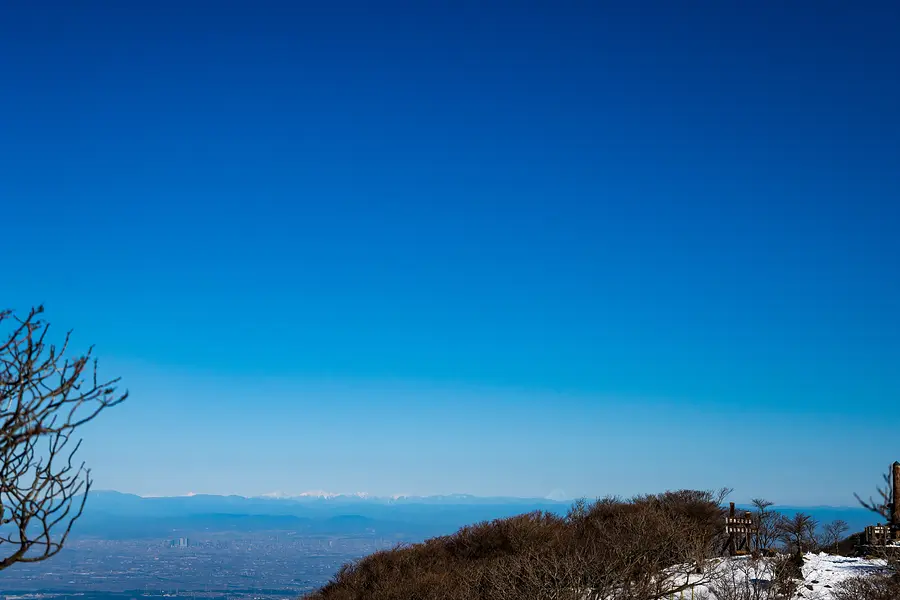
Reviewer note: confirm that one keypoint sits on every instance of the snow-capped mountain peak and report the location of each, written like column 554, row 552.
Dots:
column 276, row 495
column 315, row 494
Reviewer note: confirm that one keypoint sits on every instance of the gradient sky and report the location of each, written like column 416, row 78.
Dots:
column 439, row 247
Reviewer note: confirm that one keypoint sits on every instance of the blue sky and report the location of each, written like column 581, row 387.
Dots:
column 448, row 247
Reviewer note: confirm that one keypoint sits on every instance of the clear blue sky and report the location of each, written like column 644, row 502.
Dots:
column 498, row 248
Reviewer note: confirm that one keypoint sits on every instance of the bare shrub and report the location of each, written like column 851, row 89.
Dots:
column 646, row 548
column 751, row 578
column 745, row 579
column 652, row 546
column 869, row 587
column 786, row 575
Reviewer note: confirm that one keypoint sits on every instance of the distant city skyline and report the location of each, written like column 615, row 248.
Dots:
column 501, row 249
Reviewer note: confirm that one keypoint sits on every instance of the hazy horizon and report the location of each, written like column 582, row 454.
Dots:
column 381, row 418
column 325, row 495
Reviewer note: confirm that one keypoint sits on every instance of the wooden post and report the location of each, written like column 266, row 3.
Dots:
column 895, row 507
column 731, row 549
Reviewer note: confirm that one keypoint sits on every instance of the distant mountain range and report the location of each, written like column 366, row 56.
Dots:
column 319, row 495
column 435, row 499
column 117, row 515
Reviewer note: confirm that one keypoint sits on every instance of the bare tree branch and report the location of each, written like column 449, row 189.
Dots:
column 44, row 398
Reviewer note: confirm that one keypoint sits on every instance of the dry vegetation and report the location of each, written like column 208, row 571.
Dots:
column 754, row 578
column 647, row 547
column 883, row 586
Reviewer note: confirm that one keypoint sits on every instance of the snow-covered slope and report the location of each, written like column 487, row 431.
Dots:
column 821, row 574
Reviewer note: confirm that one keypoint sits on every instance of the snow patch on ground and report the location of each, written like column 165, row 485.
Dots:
column 821, row 574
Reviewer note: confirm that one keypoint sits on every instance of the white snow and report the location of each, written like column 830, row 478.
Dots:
column 314, row 494
column 821, row 574
column 823, row 571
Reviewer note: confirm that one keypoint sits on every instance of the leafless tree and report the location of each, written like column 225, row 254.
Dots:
column 798, row 532
column 765, row 525
column 45, row 397
column 833, row 532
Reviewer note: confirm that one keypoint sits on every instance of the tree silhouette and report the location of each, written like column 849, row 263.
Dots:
column 44, row 398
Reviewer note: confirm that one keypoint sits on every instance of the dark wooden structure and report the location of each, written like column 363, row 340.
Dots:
column 739, row 531
column 876, row 535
